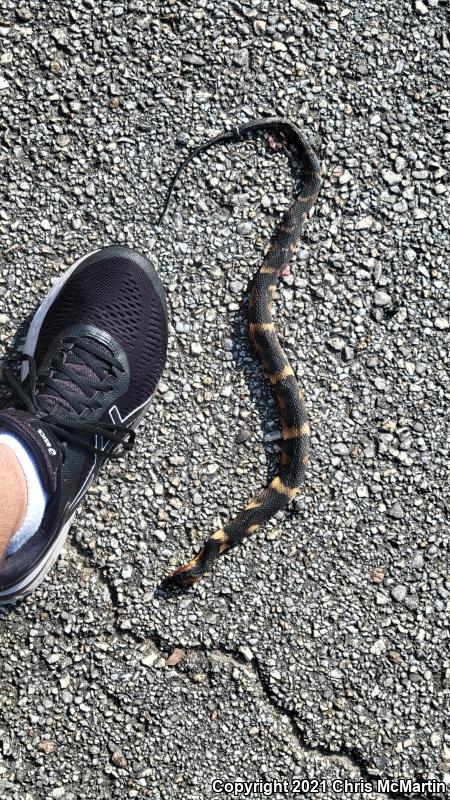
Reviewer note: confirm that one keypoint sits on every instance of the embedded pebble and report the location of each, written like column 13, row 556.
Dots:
column 381, row 298
column 396, row 511
column 390, row 177
column 399, row 593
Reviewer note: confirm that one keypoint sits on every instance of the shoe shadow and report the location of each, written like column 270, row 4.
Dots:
column 9, row 608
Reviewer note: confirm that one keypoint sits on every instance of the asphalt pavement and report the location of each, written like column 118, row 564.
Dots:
column 319, row 651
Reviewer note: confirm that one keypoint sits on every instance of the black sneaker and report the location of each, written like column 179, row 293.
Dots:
column 94, row 353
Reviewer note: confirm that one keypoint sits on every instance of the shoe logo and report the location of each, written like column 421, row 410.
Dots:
column 48, row 444
column 117, row 418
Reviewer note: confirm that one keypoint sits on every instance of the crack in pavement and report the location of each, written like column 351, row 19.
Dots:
column 102, row 573
column 348, row 758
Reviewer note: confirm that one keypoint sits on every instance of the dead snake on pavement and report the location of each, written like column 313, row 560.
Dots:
column 295, row 428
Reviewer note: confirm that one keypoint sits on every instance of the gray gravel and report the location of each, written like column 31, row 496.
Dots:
column 321, row 647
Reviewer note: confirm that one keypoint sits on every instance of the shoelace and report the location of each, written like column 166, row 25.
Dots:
column 66, row 426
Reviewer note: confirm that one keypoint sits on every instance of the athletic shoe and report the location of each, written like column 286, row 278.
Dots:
column 94, row 353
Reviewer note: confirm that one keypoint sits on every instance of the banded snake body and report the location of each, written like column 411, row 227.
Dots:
column 295, row 427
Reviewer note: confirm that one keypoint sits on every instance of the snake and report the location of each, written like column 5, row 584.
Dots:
column 295, row 429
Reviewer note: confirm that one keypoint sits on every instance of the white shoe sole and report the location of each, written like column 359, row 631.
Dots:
column 32, row 581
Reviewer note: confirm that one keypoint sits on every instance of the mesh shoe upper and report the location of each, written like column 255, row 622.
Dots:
column 118, row 297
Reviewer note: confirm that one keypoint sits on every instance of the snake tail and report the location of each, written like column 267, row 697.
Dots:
column 295, row 427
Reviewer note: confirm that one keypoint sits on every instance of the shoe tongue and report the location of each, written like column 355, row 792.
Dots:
column 78, row 367
column 40, row 440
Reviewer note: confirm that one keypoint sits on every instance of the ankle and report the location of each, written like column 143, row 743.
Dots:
column 13, row 496
column 21, row 492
